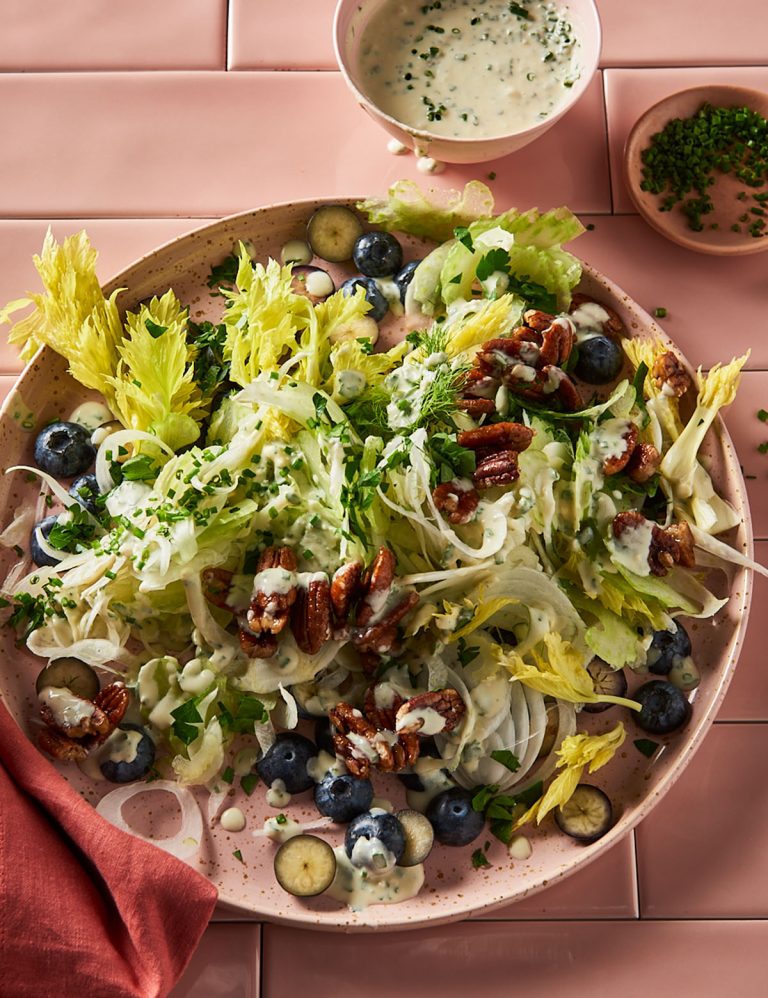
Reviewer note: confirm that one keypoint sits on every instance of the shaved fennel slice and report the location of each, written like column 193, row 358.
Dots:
column 519, row 710
column 566, row 726
column 537, row 718
column 112, row 443
column 723, row 552
column 185, row 843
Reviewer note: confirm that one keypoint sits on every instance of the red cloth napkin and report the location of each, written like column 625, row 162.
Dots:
column 86, row 910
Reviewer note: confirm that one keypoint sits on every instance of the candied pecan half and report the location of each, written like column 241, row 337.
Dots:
column 612, row 324
column 377, row 581
column 669, row 375
column 644, row 463
column 60, row 747
column 496, row 469
column 381, row 716
column 668, row 546
column 262, row 645
column 537, row 320
column 613, row 465
column 269, row 609
column 216, row 583
column 113, row 700
column 547, row 383
column 479, row 385
column 557, row 342
column 410, row 718
column 498, row 355
column 380, row 637
column 455, row 502
column 311, row 615
column 497, row 437
column 347, row 720
column 476, row 407
column 346, row 587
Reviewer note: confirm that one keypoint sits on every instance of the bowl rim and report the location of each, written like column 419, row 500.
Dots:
column 631, row 178
column 465, row 142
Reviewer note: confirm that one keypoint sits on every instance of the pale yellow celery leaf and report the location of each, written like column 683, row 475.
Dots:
column 350, row 356
column 339, row 313
column 484, row 610
column 433, row 215
column 496, row 318
column 263, row 318
column 72, row 316
column 154, row 388
column 577, row 753
column 666, row 408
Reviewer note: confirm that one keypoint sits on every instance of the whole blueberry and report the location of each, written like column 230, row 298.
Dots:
column 128, row 770
column 404, row 277
column 373, row 295
column 64, row 449
column 600, row 360
column 324, row 735
column 86, row 490
column 40, row 557
column 377, row 254
column 342, row 798
column 453, row 818
column 664, row 707
column 667, row 649
column 362, row 849
column 287, row 760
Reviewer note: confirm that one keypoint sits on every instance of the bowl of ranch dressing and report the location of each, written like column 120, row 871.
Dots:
column 465, row 81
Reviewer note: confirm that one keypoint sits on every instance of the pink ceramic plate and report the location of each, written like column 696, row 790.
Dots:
column 453, row 888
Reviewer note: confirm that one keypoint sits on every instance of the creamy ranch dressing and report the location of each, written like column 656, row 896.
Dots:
column 232, row 820
column 277, row 795
column 631, row 549
column 91, row 415
column 68, row 709
column 468, row 68
column 358, row 888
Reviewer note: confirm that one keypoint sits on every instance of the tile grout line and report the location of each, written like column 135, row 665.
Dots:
column 607, row 141
column 260, row 976
column 636, row 859
column 227, row 16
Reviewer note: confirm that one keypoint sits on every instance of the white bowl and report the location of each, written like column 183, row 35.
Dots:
column 350, row 20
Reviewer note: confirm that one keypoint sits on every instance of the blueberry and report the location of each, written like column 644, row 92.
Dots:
column 664, row 707
column 667, row 649
column 373, row 295
column 64, row 450
column 287, row 760
column 600, row 360
column 369, row 826
column 405, row 276
column 324, row 736
column 123, row 770
column 39, row 556
column 86, row 490
column 377, row 254
column 342, row 798
column 453, row 818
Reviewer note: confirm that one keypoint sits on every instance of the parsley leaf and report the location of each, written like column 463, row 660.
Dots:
column 211, row 370
column 186, row 719
column 228, row 775
column 646, row 745
column 224, row 273
column 249, row 783
column 155, row 330
column 239, row 856
column 467, row 654
column 479, row 859
column 463, row 235
column 141, row 468
column 493, row 261
column 76, row 533
column 517, row 9
column 507, row 759
column 449, row 459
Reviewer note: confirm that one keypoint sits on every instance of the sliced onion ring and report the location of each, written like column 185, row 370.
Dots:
column 185, row 843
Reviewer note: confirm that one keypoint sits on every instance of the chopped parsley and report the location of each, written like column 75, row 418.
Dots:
column 238, row 856
column 646, row 745
column 249, row 783
column 479, row 860
column 507, row 759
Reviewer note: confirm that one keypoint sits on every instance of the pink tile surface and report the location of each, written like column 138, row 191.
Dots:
column 694, row 288
column 92, row 34
column 747, row 697
column 273, row 34
column 141, row 150
column 6, row 383
column 225, row 965
column 606, row 888
column 681, row 33
column 119, row 243
column 630, row 92
column 703, row 851
column 748, row 433
column 535, row 959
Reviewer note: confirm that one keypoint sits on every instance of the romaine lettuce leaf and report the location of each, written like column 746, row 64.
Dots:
column 408, row 209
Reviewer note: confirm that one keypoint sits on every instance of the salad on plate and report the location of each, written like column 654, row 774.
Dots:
column 443, row 560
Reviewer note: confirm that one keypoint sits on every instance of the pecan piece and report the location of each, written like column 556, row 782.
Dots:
column 537, row 320
column 381, row 636
column 377, row 581
column 497, row 469
column 548, row 382
column 311, row 615
column 644, row 463
column 612, row 324
column 669, row 375
column 456, row 502
column 270, row 606
column 479, row 385
column 497, row 437
column 345, row 589
column 557, row 342
column 411, row 716
column 113, row 701
column 347, row 720
column 60, row 747
column 262, row 645
column 381, row 715
column 668, row 546
column 498, row 355
column 613, row 465
column 216, row 583
column 477, row 407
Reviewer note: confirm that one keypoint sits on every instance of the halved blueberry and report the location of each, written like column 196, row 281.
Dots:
column 377, row 254
column 455, row 821
column 373, row 295
column 64, row 449
column 126, row 770
column 667, row 650
column 42, row 558
column 664, row 707
column 287, row 760
column 600, row 360
column 342, row 798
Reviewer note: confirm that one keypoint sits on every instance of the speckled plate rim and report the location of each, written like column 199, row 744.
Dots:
column 387, row 917
column 647, row 204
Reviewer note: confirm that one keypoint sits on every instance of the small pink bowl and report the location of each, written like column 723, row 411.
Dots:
column 351, row 18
